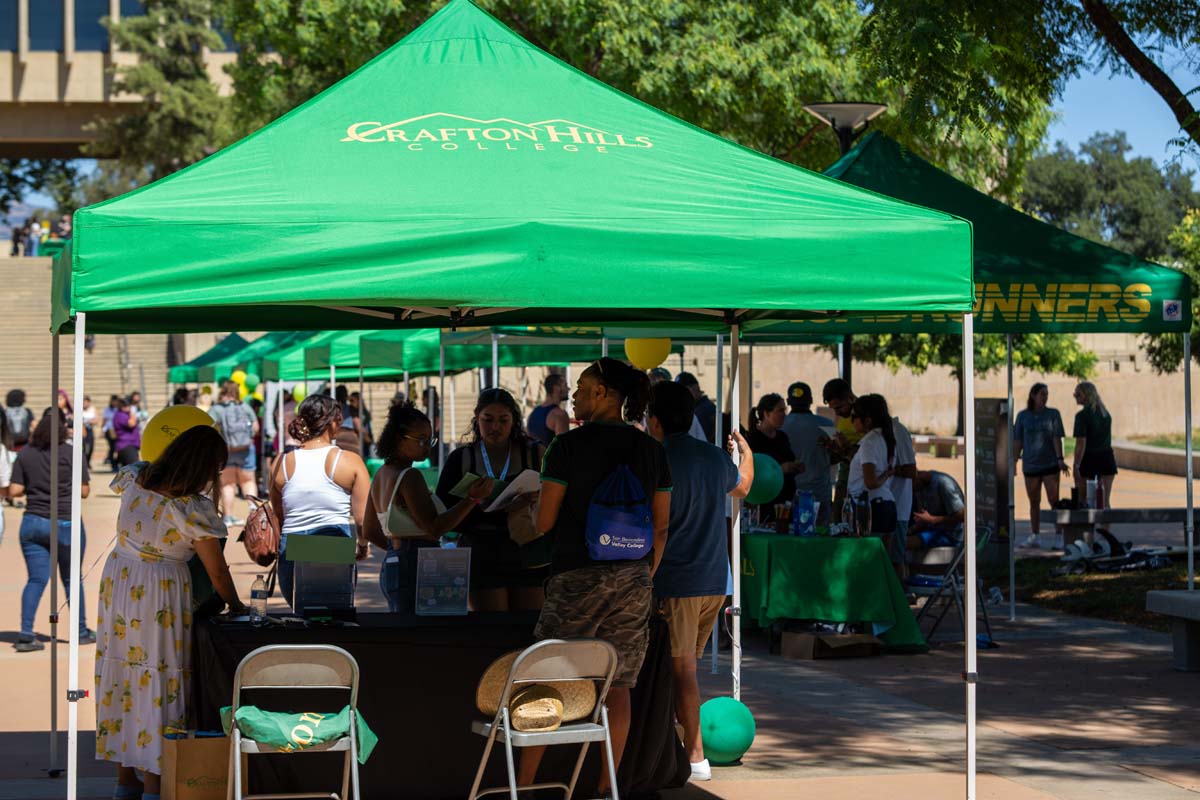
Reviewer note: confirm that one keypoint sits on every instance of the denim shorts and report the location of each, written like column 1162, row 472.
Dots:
column 286, row 571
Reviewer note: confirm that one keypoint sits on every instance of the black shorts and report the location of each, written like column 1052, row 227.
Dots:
column 1097, row 463
column 1043, row 472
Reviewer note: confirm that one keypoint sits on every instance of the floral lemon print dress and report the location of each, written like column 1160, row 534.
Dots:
column 143, row 652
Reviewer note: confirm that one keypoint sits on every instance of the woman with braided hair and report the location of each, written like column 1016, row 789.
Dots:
column 318, row 489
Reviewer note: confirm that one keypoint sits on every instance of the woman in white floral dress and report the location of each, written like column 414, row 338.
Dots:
column 143, row 653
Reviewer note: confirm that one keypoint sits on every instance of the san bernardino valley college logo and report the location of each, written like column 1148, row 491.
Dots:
column 451, row 132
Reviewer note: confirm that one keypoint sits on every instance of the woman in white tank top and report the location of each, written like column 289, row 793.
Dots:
column 318, row 490
column 402, row 514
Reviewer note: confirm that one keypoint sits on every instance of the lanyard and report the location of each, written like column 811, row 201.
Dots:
column 487, row 462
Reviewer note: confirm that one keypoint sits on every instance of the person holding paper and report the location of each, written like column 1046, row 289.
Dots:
column 402, row 516
column 509, row 561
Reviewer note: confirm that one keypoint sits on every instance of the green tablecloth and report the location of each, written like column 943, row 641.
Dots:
column 831, row 580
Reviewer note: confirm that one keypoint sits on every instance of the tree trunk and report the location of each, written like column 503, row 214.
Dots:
column 1119, row 40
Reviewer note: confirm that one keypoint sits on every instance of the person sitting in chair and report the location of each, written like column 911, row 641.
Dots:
column 938, row 511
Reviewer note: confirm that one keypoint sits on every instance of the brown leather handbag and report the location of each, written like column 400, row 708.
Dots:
column 261, row 534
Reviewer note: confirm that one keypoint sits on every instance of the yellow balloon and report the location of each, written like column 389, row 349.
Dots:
column 205, row 390
column 164, row 426
column 258, row 395
column 243, row 392
column 238, row 376
column 647, row 353
column 299, row 392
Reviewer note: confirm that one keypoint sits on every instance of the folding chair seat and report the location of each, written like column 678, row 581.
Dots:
column 549, row 662
column 299, row 667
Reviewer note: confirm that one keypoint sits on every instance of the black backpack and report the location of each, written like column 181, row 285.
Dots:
column 20, row 422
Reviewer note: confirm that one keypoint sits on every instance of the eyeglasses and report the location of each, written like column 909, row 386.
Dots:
column 424, row 441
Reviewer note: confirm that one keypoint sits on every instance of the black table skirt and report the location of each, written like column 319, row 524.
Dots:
column 417, row 691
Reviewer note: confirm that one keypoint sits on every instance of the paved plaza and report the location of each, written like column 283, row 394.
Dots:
column 1068, row 707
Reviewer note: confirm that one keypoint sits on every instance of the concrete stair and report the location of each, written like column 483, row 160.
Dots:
column 25, row 332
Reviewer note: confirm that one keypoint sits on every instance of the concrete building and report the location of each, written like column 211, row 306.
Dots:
column 56, row 62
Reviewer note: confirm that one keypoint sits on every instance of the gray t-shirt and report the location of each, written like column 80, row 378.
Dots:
column 941, row 498
column 1037, row 430
column 804, row 432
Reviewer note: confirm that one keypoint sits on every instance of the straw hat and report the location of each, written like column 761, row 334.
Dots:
column 534, row 706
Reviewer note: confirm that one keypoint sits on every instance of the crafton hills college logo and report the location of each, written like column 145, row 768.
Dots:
column 450, row 132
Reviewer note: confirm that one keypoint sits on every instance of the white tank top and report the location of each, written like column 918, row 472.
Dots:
column 396, row 522
column 311, row 498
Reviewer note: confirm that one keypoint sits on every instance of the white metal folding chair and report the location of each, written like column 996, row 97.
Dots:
column 947, row 589
column 549, row 662
column 304, row 667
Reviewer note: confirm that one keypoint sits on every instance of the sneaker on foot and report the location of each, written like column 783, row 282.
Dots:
column 1032, row 542
column 231, row 520
column 87, row 637
column 28, row 646
column 701, row 770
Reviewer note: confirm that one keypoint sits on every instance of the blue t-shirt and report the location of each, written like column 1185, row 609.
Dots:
column 1037, row 431
column 696, row 560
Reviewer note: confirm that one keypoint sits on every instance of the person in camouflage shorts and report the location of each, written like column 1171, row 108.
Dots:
column 610, row 602
column 599, row 597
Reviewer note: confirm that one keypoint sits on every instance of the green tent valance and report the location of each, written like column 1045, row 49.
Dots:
column 465, row 177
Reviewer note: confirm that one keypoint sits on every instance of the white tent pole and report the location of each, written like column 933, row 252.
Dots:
column 362, row 411
column 332, row 380
column 1012, row 487
column 442, row 397
column 736, row 565
column 970, row 591
column 604, row 347
column 450, row 403
column 495, row 361
column 54, row 445
column 1187, row 446
column 73, row 594
column 717, row 436
column 842, row 358
column 281, row 433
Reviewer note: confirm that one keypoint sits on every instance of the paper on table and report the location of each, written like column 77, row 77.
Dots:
column 528, row 481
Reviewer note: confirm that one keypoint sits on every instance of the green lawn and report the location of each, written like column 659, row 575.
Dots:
column 1119, row 597
column 1174, row 440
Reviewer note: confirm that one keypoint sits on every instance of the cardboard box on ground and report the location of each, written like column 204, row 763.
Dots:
column 808, row 646
column 195, row 769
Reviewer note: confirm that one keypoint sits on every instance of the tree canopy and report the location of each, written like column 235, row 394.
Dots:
column 987, row 64
column 743, row 69
column 181, row 116
column 1103, row 195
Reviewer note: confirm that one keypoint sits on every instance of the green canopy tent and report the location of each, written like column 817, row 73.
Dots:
column 464, row 176
column 250, row 357
column 189, row 372
column 1030, row 277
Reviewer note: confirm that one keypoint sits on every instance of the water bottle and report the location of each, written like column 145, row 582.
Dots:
column 258, row 601
column 803, row 514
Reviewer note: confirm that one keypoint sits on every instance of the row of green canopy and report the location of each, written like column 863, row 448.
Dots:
column 381, row 355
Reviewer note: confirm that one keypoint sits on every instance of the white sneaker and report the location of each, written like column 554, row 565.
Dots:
column 701, row 770
column 1032, row 541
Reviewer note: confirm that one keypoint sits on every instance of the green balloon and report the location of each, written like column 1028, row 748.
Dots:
column 373, row 465
column 768, row 480
column 252, row 381
column 727, row 729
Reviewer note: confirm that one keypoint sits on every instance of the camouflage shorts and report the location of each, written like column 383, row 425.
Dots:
column 612, row 603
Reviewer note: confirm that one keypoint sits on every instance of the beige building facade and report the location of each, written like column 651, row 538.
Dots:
column 56, row 64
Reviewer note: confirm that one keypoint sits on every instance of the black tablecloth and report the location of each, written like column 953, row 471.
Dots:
column 417, row 691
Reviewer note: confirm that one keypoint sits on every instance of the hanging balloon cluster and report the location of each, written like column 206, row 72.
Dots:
column 249, row 385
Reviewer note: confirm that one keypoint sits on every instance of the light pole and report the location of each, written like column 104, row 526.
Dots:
column 848, row 121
